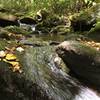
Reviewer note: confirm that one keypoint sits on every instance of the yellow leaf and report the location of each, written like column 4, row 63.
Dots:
column 14, row 63
column 10, row 57
column 5, row 60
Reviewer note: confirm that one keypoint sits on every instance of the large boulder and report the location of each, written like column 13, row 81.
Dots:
column 83, row 60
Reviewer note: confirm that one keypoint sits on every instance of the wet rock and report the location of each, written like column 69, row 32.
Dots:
column 40, row 79
column 82, row 60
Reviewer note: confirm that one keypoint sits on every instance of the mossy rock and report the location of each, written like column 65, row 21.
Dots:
column 86, row 19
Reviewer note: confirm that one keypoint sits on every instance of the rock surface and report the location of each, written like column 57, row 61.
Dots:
column 40, row 78
column 82, row 60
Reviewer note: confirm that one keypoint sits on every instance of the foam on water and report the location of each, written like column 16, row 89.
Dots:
column 87, row 94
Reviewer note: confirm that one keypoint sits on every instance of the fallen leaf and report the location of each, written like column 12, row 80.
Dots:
column 14, row 63
column 10, row 57
column 15, row 66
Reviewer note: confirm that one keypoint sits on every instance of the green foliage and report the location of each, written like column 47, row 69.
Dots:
column 15, row 5
column 32, row 6
column 96, row 28
column 18, row 30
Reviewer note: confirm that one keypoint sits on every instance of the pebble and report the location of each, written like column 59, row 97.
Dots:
column 20, row 49
column 2, row 54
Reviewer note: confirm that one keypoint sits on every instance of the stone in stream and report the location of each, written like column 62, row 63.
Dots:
column 82, row 60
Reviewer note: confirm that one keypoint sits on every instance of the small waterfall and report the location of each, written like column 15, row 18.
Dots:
column 27, row 23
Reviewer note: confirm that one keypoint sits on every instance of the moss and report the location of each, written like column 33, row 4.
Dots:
column 81, row 48
column 60, row 29
column 94, row 33
column 19, row 30
column 3, row 44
